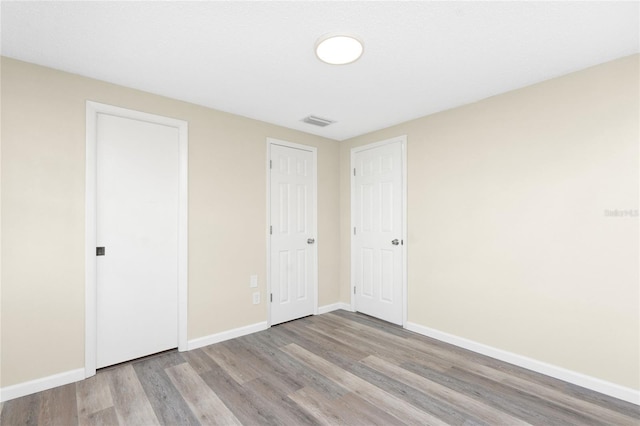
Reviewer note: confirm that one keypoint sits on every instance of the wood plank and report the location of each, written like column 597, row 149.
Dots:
column 555, row 397
column 207, row 407
column 361, row 412
column 290, row 370
column 130, row 402
column 22, row 411
column 251, row 405
column 198, row 360
column 93, row 395
column 316, row 344
column 325, row 343
column 241, row 401
column 236, row 368
column 274, row 400
column 269, row 360
column 443, row 410
column 323, row 409
column 396, row 354
column 167, row 403
column 392, row 349
column 525, row 406
column 275, row 336
column 516, row 404
column 393, row 353
column 519, row 404
column 435, row 390
column 59, row 406
column 348, row 409
column 454, row 359
column 106, row 417
column 398, row 408
column 358, row 318
column 336, row 368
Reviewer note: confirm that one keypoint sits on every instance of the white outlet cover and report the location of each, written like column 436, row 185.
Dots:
column 253, row 281
column 256, row 297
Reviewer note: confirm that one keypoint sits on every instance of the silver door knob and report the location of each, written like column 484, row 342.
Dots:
column 395, row 242
column 311, row 241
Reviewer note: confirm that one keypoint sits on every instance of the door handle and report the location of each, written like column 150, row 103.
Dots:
column 395, row 242
column 311, row 241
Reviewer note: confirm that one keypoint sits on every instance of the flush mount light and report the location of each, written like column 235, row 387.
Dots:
column 339, row 49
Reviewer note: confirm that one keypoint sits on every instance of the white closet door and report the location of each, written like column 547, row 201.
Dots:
column 137, row 224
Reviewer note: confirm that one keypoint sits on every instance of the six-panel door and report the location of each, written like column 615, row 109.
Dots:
column 292, row 240
column 378, row 232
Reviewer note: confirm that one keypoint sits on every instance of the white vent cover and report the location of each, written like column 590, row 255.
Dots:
column 317, row 121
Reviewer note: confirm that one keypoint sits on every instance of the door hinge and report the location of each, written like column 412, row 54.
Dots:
column 401, row 242
column 270, row 230
column 354, row 289
column 354, row 230
column 271, row 164
column 354, row 171
column 271, row 297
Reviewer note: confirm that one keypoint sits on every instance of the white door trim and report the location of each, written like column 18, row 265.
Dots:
column 92, row 111
column 403, row 142
column 314, row 151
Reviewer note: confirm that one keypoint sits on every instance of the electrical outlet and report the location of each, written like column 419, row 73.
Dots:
column 253, row 281
column 256, row 297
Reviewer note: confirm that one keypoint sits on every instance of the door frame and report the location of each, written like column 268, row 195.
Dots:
column 92, row 111
column 314, row 230
column 403, row 143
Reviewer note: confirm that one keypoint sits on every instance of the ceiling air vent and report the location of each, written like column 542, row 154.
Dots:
column 317, row 121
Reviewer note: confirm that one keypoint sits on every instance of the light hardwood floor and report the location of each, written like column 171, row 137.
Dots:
column 336, row 368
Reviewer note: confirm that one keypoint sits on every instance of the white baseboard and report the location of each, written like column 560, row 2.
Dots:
column 253, row 328
column 333, row 307
column 226, row 335
column 589, row 382
column 38, row 385
column 49, row 382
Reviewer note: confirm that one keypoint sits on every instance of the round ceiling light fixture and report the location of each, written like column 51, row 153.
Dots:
column 339, row 49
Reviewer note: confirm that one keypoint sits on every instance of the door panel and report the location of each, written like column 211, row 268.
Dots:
column 378, row 273
column 137, row 223
column 293, row 266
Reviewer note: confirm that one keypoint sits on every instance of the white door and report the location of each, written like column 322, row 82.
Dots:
column 292, row 240
column 137, row 224
column 378, row 239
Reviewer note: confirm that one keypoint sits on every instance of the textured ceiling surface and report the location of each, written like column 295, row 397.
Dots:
column 256, row 59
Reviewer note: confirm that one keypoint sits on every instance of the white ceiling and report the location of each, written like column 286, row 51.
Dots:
column 256, row 59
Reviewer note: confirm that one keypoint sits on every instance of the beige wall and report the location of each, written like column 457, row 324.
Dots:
column 43, row 148
column 508, row 240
